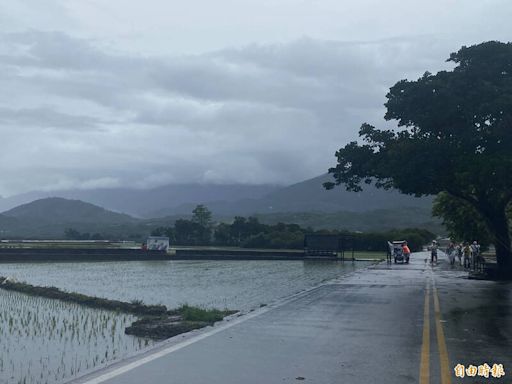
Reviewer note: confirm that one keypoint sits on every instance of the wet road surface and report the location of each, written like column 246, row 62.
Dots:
column 385, row 324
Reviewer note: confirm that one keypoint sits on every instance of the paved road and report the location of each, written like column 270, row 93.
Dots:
column 385, row 324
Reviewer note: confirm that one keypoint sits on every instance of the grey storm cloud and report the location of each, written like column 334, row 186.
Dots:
column 76, row 114
column 291, row 75
column 45, row 118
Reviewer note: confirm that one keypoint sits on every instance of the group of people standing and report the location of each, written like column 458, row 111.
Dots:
column 468, row 254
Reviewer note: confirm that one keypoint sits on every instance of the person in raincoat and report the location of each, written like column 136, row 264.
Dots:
column 406, row 250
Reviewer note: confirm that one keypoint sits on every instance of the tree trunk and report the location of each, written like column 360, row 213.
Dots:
column 498, row 223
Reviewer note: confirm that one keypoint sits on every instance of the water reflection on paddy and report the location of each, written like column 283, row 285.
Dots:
column 238, row 285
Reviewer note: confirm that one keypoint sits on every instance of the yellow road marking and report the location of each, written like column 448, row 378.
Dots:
column 425, row 347
column 441, row 343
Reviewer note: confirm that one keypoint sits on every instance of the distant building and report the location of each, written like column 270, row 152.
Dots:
column 157, row 243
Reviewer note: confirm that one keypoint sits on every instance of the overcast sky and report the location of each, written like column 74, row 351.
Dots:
column 106, row 93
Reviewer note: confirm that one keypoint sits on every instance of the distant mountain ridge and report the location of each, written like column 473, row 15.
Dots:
column 60, row 210
column 165, row 203
column 50, row 218
column 309, row 196
column 142, row 202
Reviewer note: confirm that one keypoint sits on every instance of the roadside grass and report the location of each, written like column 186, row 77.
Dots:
column 190, row 313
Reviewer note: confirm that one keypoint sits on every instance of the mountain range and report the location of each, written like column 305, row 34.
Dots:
column 118, row 212
column 307, row 196
column 145, row 202
column 231, row 199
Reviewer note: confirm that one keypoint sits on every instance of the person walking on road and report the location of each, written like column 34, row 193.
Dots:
column 466, row 253
column 458, row 250
column 433, row 252
column 475, row 253
column 389, row 255
column 450, row 251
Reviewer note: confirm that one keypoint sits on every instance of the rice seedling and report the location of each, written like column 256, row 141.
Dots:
column 47, row 341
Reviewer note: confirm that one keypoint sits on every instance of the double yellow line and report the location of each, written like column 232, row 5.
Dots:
column 425, row 346
column 441, row 341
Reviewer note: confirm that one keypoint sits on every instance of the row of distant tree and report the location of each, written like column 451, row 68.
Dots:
column 73, row 234
column 249, row 232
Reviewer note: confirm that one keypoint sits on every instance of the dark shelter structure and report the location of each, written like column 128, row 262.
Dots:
column 325, row 245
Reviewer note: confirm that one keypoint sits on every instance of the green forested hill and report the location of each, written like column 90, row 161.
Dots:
column 370, row 221
column 49, row 218
column 58, row 210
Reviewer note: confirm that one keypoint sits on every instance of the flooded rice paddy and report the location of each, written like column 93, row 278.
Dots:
column 240, row 285
column 46, row 341
column 49, row 341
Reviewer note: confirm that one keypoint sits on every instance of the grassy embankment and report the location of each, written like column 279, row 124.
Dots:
column 155, row 321
column 58, row 244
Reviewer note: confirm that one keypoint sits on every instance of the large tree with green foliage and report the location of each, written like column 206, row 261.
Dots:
column 461, row 219
column 454, row 135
